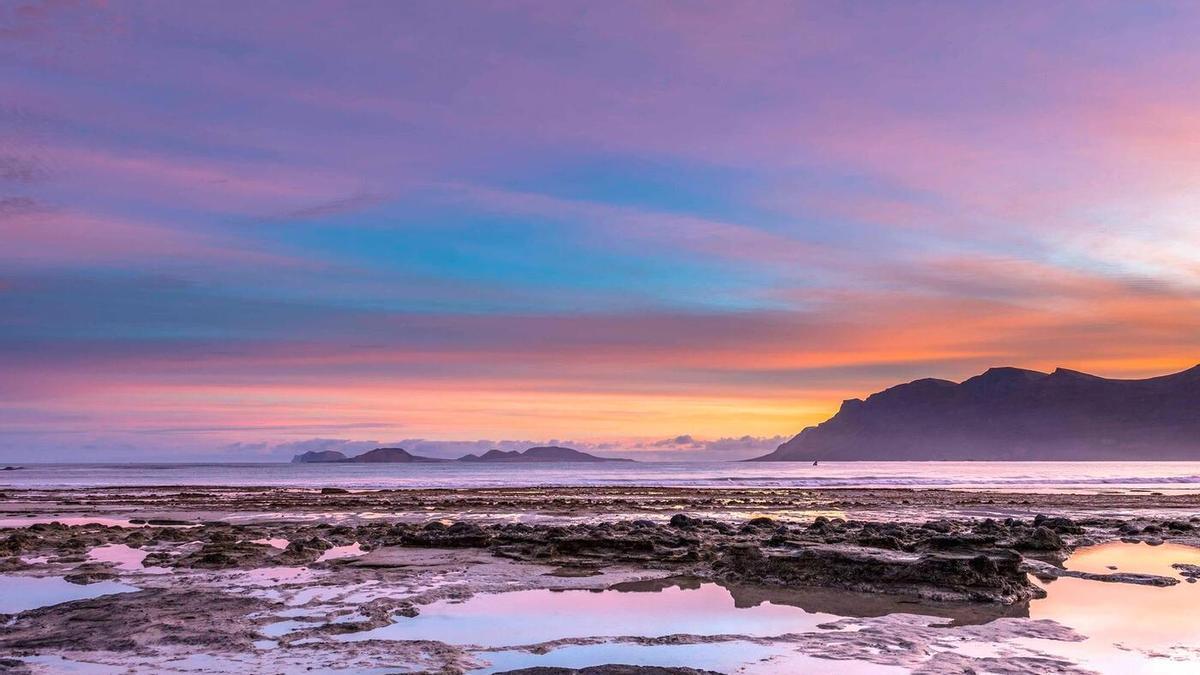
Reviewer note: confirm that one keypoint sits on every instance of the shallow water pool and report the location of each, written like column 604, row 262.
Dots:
column 21, row 594
column 531, row 617
column 1130, row 628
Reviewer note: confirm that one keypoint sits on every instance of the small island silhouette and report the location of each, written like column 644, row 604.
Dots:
column 550, row 453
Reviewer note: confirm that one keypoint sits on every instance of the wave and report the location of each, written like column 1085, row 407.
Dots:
column 903, row 481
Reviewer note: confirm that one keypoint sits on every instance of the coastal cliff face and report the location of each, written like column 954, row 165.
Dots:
column 1012, row 414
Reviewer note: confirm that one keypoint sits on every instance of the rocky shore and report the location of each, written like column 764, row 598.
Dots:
column 185, row 570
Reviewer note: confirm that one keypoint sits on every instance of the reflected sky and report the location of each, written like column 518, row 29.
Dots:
column 1127, row 624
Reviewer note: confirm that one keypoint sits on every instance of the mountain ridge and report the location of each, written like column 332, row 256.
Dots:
column 1008, row 413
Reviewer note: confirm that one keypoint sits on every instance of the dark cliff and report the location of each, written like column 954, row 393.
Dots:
column 1012, row 414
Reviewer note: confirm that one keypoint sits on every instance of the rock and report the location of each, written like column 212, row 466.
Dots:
column 1041, row 539
column 216, row 556
column 136, row 621
column 459, row 534
column 683, row 521
column 334, row 491
column 881, row 541
column 157, row 559
column 311, row 544
column 943, row 526
column 18, row 542
column 1058, row 524
column 989, row 526
column 958, row 542
column 1187, row 570
column 995, row 576
column 820, row 525
column 1044, row 570
column 89, row 574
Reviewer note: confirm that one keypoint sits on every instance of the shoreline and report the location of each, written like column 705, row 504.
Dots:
column 312, row 578
column 549, row 503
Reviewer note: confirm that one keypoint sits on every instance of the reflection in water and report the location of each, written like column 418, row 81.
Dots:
column 531, row 617
column 1131, row 628
column 744, row 658
column 281, row 628
column 270, row 576
column 338, row 552
column 124, row 557
column 277, row 542
column 842, row 603
column 72, row 521
column 1141, row 558
column 20, row 594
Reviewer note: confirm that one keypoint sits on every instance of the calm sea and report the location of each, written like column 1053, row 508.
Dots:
column 1029, row 476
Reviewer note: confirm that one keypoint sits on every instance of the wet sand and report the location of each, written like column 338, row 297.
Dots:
column 488, row 580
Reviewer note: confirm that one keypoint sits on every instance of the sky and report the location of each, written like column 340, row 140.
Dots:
column 233, row 230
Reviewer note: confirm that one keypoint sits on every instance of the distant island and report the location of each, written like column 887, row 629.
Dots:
column 401, row 456
column 1012, row 414
column 550, row 453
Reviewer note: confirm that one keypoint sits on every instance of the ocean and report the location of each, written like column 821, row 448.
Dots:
column 1166, row 477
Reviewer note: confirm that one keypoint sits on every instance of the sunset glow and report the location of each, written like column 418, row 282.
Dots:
column 230, row 228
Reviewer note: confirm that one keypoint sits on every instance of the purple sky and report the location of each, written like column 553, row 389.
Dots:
column 233, row 229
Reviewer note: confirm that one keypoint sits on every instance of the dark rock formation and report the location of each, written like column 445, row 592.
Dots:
column 135, row 622
column 1046, row 571
column 992, row 576
column 1012, row 414
column 550, row 453
column 1188, row 571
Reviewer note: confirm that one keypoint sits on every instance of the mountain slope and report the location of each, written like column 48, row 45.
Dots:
column 1012, row 414
column 390, row 456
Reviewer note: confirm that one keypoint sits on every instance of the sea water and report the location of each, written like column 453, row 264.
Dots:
column 1172, row 477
